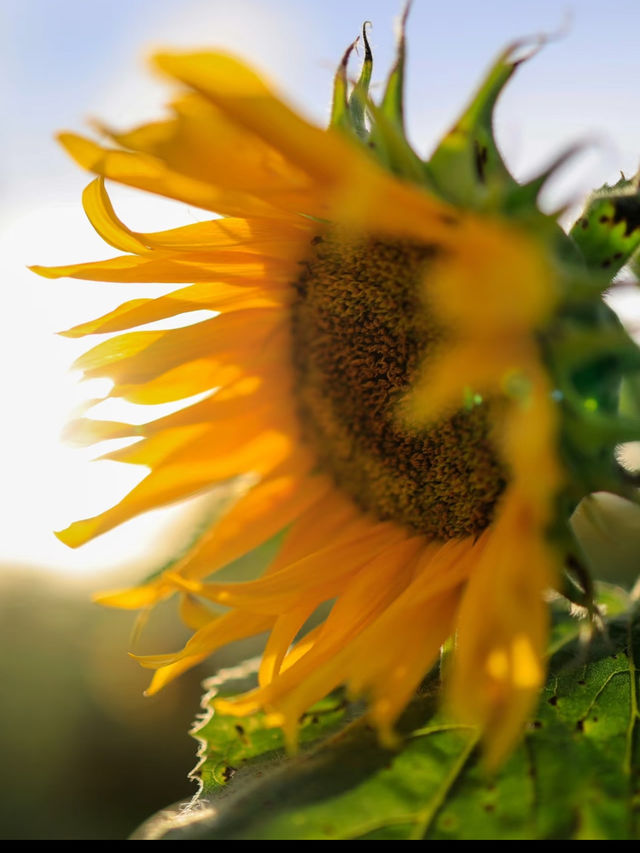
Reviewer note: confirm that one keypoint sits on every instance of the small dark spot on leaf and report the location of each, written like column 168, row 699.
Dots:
column 604, row 219
column 315, row 719
column 594, row 719
column 585, row 223
column 448, row 821
column 627, row 210
column 617, row 256
column 537, row 724
column 447, row 219
column 239, row 729
column 481, row 157
column 614, row 657
column 489, row 807
column 580, row 726
column 491, row 786
column 317, row 239
column 553, row 701
column 228, row 773
column 606, row 263
column 582, row 682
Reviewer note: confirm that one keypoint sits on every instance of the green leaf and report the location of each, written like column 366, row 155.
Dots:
column 576, row 774
column 246, row 745
column 608, row 231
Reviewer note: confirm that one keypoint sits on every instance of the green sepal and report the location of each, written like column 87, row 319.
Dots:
column 576, row 585
column 467, row 168
column 392, row 147
column 523, row 198
column 586, row 346
column 608, row 231
column 574, row 582
column 588, row 354
column 360, row 93
column 630, row 395
column 591, row 432
column 377, row 127
column 587, row 446
column 392, row 103
column 387, row 134
column 340, row 114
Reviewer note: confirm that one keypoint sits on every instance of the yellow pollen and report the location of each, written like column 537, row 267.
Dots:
column 361, row 330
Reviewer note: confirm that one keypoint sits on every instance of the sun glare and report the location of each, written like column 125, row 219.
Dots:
column 48, row 483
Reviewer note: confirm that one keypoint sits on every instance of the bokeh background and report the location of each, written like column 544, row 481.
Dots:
column 84, row 755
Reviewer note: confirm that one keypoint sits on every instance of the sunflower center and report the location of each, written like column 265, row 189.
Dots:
column 361, row 331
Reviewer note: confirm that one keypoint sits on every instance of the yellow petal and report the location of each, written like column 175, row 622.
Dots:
column 265, row 510
column 183, row 267
column 186, row 380
column 194, row 614
column 85, row 431
column 202, row 296
column 172, row 482
column 102, row 216
column 503, row 628
column 137, row 357
column 133, row 598
column 227, row 629
column 149, row 173
column 313, row 579
column 244, row 98
column 202, row 143
column 282, row 635
column 255, row 236
column 325, row 521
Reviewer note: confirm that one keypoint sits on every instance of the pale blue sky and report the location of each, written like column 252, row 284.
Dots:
column 62, row 58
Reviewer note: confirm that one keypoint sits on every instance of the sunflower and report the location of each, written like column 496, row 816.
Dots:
column 409, row 375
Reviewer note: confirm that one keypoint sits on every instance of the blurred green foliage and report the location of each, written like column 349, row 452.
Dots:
column 84, row 754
